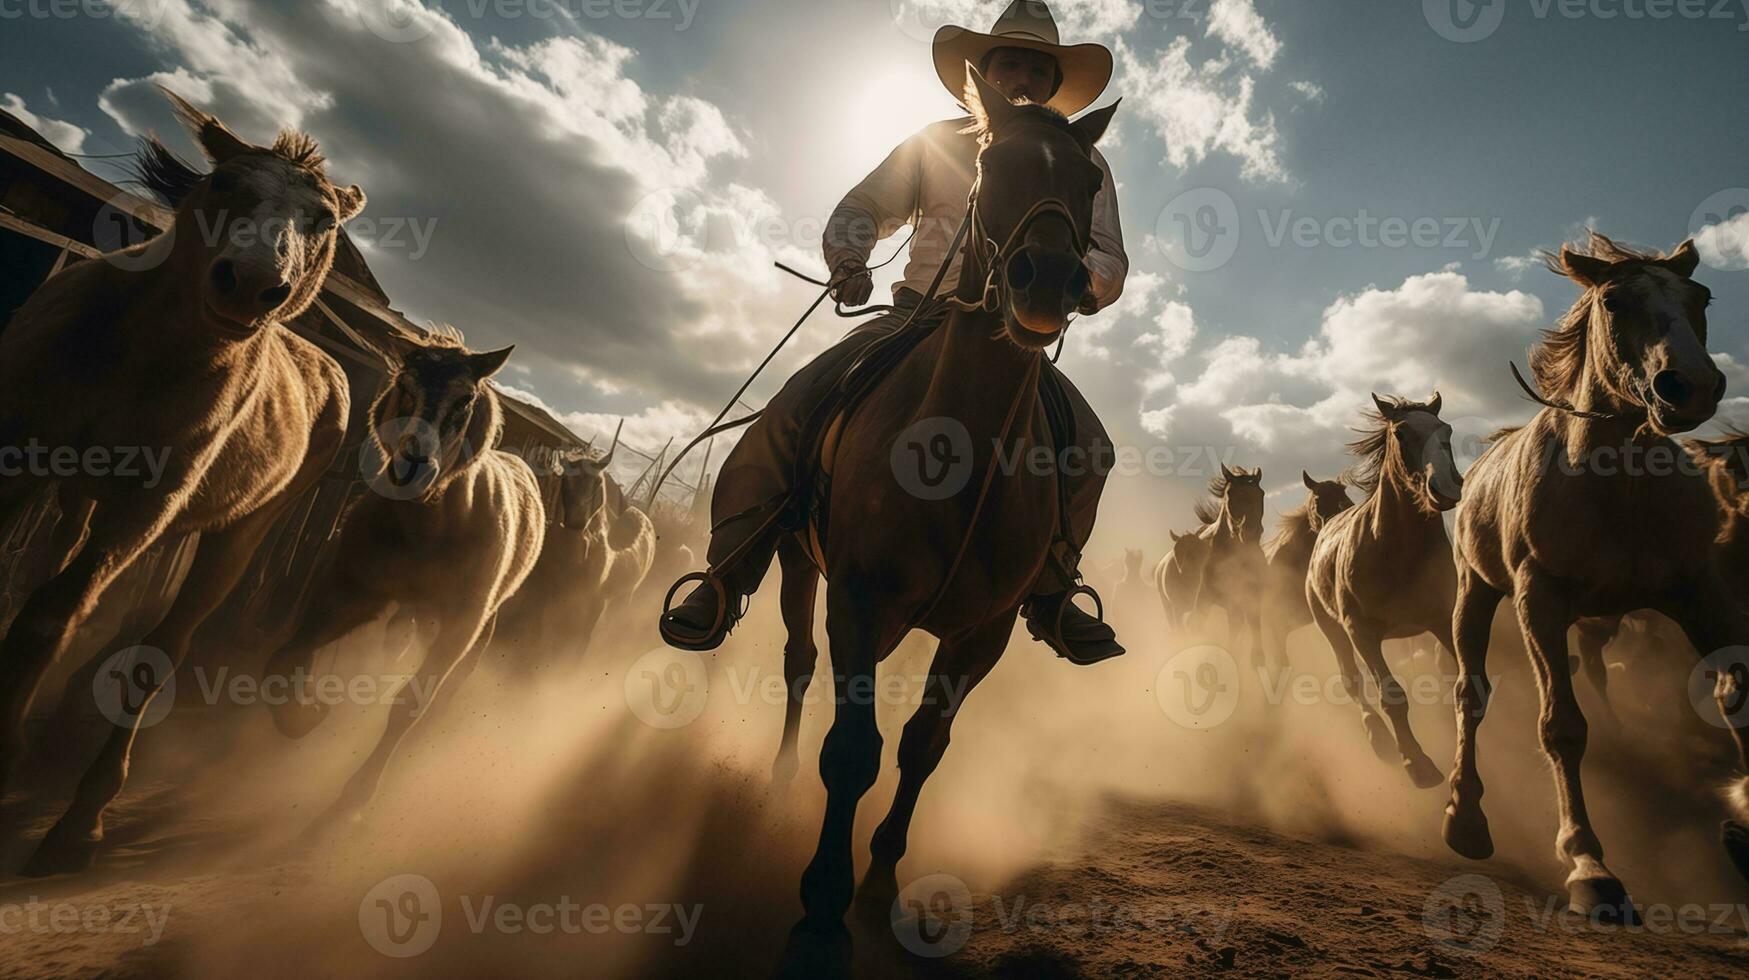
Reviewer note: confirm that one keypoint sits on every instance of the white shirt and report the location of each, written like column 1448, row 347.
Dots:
column 925, row 183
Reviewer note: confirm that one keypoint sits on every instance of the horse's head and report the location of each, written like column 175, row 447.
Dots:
column 262, row 225
column 1638, row 333
column 1325, row 499
column 583, row 487
column 1033, row 219
column 1411, row 438
column 1132, row 561
column 1244, row 499
column 436, row 414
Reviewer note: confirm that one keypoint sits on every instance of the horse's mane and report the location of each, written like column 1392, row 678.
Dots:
column 1727, row 459
column 1373, row 443
column 1036, row 112
column 1209, row 510
column 443, row 335
column 169, row 176
column 1557, row 361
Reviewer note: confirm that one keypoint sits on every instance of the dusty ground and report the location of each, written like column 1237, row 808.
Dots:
column 1076, row 828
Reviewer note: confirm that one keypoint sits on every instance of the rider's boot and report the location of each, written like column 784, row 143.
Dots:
column 740, row 552
column 1054, row 619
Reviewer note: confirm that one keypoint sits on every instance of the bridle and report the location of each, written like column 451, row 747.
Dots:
column 983, row 247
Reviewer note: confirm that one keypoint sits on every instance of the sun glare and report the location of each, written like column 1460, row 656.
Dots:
column 888, row 108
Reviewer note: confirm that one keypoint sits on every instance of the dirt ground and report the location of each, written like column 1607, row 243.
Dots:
column 1078, row 827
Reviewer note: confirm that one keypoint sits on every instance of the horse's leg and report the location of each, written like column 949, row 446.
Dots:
column 341, row 605
column 1593, row 637
column 57, row 608
column 1714, row 622
column 860, row 633
column 220, row 560
column 800, row 581
column 964, row 661
column 460, row 641
column 1466, row 826
column 1367, row 640
column 1378, row 735
column 1545, row 616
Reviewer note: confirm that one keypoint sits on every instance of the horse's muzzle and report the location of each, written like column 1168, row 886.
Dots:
column 1044, row 287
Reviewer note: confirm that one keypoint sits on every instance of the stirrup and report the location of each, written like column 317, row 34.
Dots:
column 1069, row 600
column 722, row 594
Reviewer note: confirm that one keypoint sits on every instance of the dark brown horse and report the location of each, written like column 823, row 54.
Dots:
column 1288, row 555
column 176, row 346
column 1232, row 578
column 1584, row 512
column 958, row 568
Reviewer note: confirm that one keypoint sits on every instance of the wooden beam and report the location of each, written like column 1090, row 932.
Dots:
column 72, row 174
column 46, row 236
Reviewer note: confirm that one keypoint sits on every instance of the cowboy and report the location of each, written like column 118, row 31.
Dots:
column 926, row 183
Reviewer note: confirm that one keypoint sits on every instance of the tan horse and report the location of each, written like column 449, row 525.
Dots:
column 1583, row 512
column 1178, row 576
column 1288, row 555
column 961, row 567
column 1232, row 578
column 595, row 556
column 452, row 529
column 174, row 347
column 1383, row 570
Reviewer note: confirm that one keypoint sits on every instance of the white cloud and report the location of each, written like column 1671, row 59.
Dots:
column 1515, row 266
column 1726, row 245
column 1201, row 108
column 1310, row 91
column 1238, row 23
column 1077, row 20
column 65, row 135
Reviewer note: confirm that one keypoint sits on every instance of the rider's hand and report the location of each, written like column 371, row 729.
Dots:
column 856, row 290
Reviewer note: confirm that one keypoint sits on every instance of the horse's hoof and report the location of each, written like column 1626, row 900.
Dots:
column 874, row 901
column 295, row 719
column 1735, row 837
column 1384, row 744
column 1466, row 832
column 812, row 953
column 1603, row 900
column 61, row 853
column 1423, row 773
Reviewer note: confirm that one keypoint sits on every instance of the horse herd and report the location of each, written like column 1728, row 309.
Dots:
column 190, row 353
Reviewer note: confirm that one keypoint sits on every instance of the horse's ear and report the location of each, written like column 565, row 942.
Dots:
column 1586, row 270
column 352, row 201
column 1684, row 260
column 986, row 102
column 1386, row 409
column 1434, row 405
column 217, row 141
column 1093, row 125
column 483, row 366
column 1226, row 473
column 1311, row 484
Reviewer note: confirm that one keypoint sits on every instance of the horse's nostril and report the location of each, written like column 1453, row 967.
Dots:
column 1672, row 388
column 1020, row 271
column 224, row 277
column 275, row 297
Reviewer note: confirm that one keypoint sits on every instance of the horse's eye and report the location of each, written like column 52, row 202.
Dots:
column 1616, row 302
column 224, row 183
column 324, row 220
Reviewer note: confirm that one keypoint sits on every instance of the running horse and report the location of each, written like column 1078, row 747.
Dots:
column 1233, row 578
column 960, row 567
column 1588, row 511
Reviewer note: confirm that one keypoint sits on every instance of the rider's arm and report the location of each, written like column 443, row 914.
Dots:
column 1107, row 261
column 883, row 203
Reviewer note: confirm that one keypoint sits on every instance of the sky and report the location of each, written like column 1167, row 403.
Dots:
column 1320, row 198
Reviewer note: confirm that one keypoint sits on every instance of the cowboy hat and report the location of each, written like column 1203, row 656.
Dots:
column 1025, row 24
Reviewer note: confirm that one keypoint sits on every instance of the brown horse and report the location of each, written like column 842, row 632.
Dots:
column 1383, row 570
column 452, row 529
column 961, row 567
column 1178, row 576
column 1585, row 512
column 1288, row 555
column 596, row 555
column 172, row 347
column 1232, row 578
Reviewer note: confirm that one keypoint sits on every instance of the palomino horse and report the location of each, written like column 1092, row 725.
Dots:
column 1288, row 555
column 1383, row 569
column 1586, row 512
column 452, row 529
column 1232, row 578
column 175, row 347
column 960, row 567
column 1178, row 576
column 596, row 555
